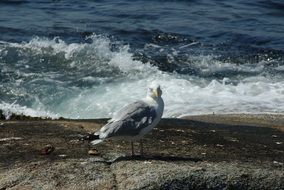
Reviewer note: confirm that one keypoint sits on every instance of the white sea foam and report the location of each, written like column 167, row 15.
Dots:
column 9, row 109
column 119, row 79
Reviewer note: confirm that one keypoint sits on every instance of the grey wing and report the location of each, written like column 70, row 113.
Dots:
column 128, row 110
column 130, row 120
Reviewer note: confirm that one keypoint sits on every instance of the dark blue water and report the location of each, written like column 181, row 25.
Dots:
column 67, row 57
column 236, row 23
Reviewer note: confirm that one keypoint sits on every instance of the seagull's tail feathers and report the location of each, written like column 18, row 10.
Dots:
column 102, row 134
column 97, row 133
column 102, row 131
column 97, row 141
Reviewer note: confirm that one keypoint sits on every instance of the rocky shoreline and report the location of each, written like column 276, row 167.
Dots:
column 195, row 152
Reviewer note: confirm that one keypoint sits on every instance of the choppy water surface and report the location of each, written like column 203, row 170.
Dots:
column 85, row 59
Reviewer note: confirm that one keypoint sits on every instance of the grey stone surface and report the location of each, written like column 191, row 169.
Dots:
column 207, row 152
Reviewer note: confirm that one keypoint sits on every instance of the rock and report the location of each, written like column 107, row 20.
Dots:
column 89, row 137
column 164, row 175
column 93, row 152
column 10, row 139
column 62, row 155
column 189, row 153
column 64, row 174
column 48, row 149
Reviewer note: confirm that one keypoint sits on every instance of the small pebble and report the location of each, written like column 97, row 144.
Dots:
column 180, row 130
column 278, row 163
column 62, row 155
column 219, row 145
column 48, row 149
column 234, row 140
column 278, row 143
column 147, row 162
column 93, row 152
column 274, row 136
column 213, row 131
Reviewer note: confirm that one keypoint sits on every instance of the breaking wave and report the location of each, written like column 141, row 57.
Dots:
column 94, row 78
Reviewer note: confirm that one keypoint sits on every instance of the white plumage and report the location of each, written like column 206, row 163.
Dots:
column 134, row 120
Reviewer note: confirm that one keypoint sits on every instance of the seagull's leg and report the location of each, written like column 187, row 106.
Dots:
column 141, row 147
column 132, row 149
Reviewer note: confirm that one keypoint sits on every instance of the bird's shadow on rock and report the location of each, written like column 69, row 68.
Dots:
column 154, row 157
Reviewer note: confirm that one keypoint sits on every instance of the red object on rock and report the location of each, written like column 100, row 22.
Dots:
column 48, row 149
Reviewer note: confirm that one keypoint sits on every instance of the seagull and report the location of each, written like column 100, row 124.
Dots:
column 134, row 120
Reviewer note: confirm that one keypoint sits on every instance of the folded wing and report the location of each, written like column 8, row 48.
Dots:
column 129, row 121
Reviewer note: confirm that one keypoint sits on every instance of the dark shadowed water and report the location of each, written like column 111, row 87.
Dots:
column 85, row 59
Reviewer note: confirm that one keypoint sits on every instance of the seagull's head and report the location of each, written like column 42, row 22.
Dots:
column 154, row 91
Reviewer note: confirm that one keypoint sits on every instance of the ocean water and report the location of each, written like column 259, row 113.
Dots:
column 87, row 58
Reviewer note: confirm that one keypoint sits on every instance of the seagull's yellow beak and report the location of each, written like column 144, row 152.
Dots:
column 155, row 92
